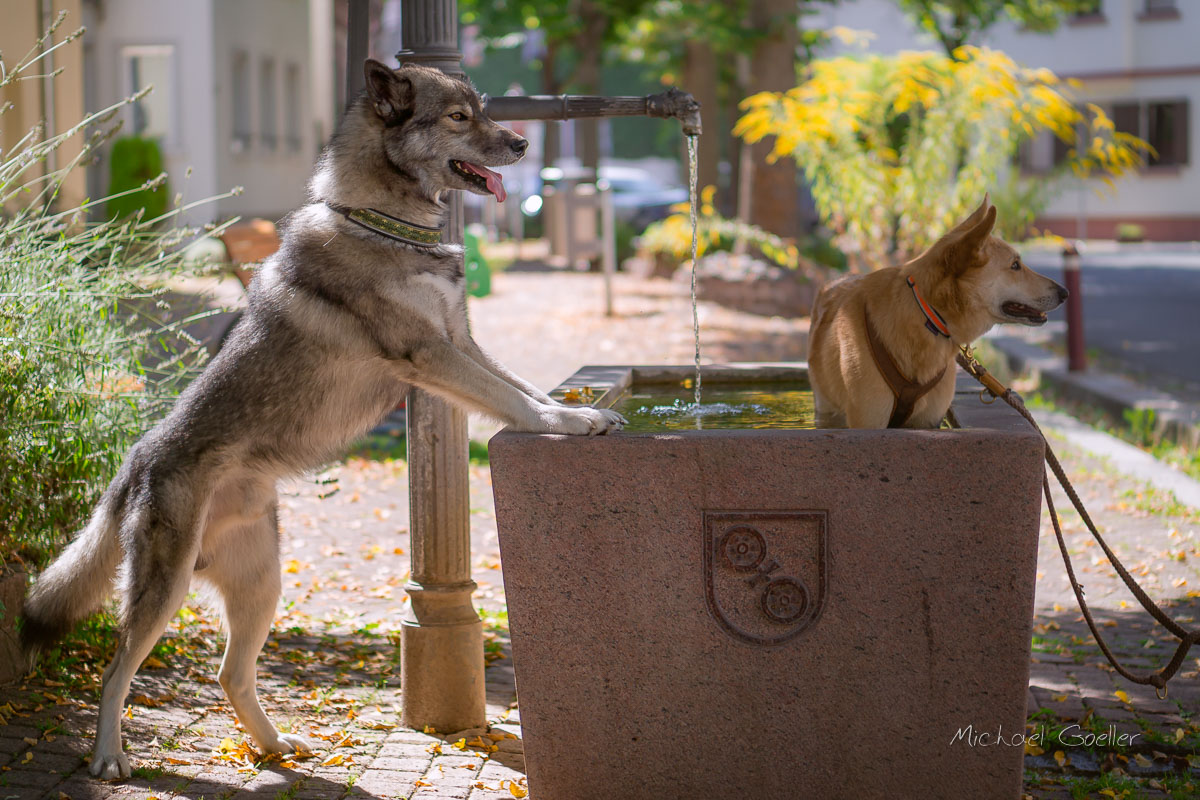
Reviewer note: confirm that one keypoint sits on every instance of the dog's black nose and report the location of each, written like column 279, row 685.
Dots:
column 519, row 146
column 1062, row 293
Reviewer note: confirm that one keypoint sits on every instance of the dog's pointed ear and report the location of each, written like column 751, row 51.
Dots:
column 975, row 216
column 390, row 93
column 963, row 247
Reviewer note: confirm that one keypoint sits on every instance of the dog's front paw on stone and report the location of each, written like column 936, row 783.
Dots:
column 289, row 743
column 587, row 421
column 110, row 767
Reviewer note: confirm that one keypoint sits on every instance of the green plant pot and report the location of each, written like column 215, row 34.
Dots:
column 134, row 162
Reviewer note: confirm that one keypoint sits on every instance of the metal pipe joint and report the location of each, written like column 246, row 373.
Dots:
column 672, row 103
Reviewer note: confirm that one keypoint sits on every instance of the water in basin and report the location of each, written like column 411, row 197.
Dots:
column 665, row 407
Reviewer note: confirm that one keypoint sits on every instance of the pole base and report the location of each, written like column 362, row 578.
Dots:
column 441, row 673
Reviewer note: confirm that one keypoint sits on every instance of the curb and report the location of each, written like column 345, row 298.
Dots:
column 1175, row 419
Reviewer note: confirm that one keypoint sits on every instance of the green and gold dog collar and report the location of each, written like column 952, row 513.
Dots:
column 391, row 227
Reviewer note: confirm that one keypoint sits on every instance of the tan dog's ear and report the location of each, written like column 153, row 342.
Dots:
column 974, row 217
column 963, row 247
column 390, row 93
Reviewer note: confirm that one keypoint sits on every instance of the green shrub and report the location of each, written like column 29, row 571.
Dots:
column 88, row 354
column 136, row 162
column 1130, row 232
column 673, row 237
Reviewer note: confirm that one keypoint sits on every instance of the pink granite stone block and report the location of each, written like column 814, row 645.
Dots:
column 772, row 613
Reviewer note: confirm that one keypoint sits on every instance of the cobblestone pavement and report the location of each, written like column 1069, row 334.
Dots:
column 330, row 669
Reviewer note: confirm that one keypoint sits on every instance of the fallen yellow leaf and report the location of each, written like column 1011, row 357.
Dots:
column 1122, row 696
column 1060, row 698
column 1032, row 749
column 1178, row 735
column 461, row 744
column 1061, row 758
column 516, row 790
column 1142, row 761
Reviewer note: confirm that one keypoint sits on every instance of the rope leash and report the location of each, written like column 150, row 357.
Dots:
column 1158, row 680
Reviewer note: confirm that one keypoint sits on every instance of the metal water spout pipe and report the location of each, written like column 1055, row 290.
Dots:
column 672, row 103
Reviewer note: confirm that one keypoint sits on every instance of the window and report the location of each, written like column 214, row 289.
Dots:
column 240, row 93
column 1164, row 124
column 291, row 108
column 267, row 104
column 1037, row 155
column 1167, row 132
column 1127, row 118
column 149, row 66
column 1087, row 12
column 1153, row 10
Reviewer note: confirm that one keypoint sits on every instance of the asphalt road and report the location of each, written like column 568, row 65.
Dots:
column 1141, row 305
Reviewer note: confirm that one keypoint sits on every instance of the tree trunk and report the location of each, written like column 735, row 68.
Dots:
column 774, row 200
column 700, row 78
column 553, row 130
column 590, row 48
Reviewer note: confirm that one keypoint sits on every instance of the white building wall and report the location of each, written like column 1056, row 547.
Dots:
column 185, row 26
column 1120, row 57
column 274, row 179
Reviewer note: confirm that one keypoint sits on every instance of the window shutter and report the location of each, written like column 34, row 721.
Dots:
column 1180, row 120
column 1127, row 118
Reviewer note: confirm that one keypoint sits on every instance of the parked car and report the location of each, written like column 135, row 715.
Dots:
column 639, row 196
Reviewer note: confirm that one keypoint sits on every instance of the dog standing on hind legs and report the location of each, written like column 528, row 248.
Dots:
column 361, row 301
column 882, row 346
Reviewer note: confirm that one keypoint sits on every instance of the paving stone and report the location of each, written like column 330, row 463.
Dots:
column 28, row 778
column 321, row 791
column 66, row 745
column 410, row 737
column 400, row 764
column 79, row 787
column 387, row 783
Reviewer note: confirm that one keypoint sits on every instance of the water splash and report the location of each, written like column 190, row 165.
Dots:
column 680, row 409
column 692, row 173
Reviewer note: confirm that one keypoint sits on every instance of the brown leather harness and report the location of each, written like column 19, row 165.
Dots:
column 905, row 392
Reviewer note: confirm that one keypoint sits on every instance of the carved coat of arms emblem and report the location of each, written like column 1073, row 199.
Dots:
column 765, row 572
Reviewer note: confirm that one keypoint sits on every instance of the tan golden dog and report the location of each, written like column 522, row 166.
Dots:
column 882, row 346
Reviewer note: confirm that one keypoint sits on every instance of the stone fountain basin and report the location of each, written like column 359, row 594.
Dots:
column 771, row 613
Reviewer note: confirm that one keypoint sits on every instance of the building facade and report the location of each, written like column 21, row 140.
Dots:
column 1137, row 59
column 243, row 91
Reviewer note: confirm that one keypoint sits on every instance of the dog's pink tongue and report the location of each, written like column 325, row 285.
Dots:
column 495, row 183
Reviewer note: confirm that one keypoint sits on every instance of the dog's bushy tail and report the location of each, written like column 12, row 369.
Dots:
column 74, row 585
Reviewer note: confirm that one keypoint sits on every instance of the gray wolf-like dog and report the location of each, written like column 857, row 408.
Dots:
column 347, row 315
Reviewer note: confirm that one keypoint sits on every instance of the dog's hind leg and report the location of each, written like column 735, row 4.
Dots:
column 155, row 580
column 247, row 576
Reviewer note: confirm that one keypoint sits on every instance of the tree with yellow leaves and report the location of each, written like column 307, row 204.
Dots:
column 896, row 148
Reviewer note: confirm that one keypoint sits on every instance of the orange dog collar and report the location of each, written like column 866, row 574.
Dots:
column 933, row 320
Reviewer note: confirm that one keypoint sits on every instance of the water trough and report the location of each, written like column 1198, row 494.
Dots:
column 792, row 613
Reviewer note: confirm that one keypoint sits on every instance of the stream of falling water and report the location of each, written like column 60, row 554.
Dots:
column 692, row 170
